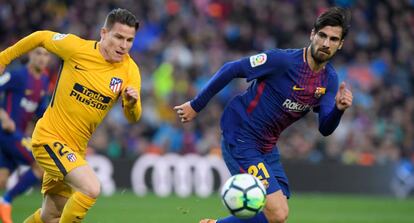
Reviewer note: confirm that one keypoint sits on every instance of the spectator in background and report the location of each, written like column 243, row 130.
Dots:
column 208, row 32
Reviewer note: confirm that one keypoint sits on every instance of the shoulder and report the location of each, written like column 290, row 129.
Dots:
column 69, row 40
column 267, row 57
column 330, row 70
column 287, row 55
column 64, row 36
column 132, row 66
column 332, row 76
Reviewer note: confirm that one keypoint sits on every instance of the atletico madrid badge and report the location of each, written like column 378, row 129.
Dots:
column 115, row 85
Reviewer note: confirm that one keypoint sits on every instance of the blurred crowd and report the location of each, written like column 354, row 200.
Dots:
column 181, row 43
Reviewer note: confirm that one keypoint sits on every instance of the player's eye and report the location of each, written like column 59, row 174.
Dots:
column 322, row 35
column 334, row 39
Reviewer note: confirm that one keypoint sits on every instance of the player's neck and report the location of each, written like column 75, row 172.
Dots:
column 104, row 53
column 35, row 72
column 313, row 65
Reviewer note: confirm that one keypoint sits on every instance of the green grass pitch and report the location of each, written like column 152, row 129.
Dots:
column 304, row 208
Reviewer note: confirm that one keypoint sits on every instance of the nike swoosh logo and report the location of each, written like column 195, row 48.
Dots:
column 79, row 68
column 296, row 88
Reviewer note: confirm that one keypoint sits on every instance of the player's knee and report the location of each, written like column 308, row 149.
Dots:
column 49, row 218
column 279, row 215
column 92, row 190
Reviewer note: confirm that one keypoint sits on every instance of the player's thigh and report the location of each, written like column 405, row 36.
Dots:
column 273, row 160
column 84, row 179
column 57, row 160
column 52, row 207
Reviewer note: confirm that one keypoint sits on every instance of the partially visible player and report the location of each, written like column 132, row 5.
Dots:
column 24, row 100
column 287, row 84
column 94, row 75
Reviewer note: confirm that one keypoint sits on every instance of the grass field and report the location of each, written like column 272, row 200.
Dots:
column 304, row 208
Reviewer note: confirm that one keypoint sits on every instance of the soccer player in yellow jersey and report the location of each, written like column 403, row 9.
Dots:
column 93, row 76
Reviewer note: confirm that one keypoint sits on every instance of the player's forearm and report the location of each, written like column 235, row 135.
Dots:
column 329, row 122
column 226, row 73
column 23, row 46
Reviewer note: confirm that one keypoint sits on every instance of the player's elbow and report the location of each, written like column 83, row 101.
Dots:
column 134, row 116
column 325, row 132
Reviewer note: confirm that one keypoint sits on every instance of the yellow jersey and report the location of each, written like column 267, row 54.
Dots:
column 87, row 87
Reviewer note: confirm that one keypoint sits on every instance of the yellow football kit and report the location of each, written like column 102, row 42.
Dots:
column 87, row 88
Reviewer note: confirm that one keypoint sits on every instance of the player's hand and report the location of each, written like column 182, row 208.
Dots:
column 131, row 96
column 185, row 112
column 7, row 124
column 343, row 97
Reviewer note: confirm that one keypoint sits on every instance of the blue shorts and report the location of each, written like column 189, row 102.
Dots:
column 15, row 150
column 266, row 167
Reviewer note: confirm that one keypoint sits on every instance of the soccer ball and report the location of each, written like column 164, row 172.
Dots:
column 243, row 195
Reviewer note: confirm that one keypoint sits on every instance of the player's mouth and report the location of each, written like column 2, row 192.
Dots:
column 324, row 51
column 119, row 53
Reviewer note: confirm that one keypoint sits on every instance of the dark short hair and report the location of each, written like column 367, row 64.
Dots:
column 122, row 16
column 335, row 16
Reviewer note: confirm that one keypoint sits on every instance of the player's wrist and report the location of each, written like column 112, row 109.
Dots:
column 131, row 103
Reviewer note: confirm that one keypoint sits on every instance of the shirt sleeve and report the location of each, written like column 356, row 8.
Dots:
column 133, row 113
column 220, row 79
column 265, row 63
column 60, row 44
column 329, row 114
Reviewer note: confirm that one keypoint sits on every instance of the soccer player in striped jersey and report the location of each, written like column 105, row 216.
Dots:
column 24, row 94
column 286, row 85
column 93, row 76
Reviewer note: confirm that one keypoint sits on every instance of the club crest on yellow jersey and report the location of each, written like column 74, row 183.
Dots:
column 115, row 85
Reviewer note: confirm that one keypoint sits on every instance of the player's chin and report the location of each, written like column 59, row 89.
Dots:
column 321, row 58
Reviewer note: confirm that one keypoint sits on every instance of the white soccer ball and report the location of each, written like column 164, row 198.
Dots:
column 243, row 195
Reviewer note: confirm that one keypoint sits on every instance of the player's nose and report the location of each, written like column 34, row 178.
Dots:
column 124, row 44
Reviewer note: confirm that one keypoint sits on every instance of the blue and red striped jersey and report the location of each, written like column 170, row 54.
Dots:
column 23, row 96
column 283, row 90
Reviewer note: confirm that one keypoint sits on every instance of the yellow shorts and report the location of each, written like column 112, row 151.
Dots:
column 57, row 159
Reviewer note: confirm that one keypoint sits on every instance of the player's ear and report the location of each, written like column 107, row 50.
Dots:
column 341, row 44
column 104, row 31
column 312, row 35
